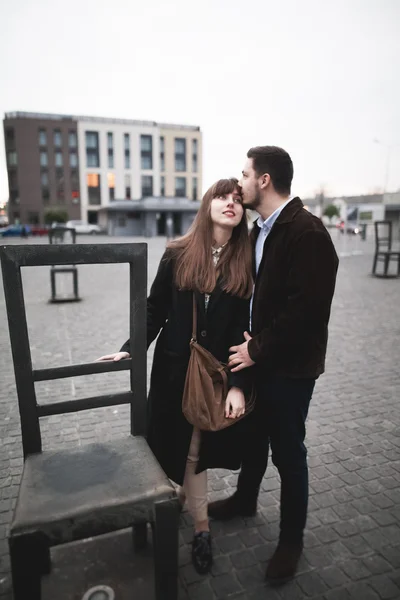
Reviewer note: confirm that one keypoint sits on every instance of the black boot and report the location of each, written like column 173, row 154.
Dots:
column 236, row 505
column 202, row 558
column 283, row 565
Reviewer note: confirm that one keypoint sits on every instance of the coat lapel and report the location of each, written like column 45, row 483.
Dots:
column 215, row 296
column 200, row 303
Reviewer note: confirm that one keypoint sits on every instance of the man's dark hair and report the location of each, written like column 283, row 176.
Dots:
column 277, row 163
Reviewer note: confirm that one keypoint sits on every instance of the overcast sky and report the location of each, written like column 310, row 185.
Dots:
column 318, row 77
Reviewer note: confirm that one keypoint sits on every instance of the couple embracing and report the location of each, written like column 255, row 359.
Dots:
column 263, row 305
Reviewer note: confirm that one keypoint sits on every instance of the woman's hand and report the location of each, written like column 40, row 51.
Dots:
column 116, row 356
column 235, row 403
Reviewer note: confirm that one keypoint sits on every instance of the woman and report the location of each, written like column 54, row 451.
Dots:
column 213, row 261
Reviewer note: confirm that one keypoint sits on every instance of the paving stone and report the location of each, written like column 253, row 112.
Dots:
column 251, row 577
column 339, row 594
column 362, row 591
column 312, row 584
column 385, row 587
column 241, row 560
column 355, row 568
column 225, row 585
column 333, row 576
column 376, row 564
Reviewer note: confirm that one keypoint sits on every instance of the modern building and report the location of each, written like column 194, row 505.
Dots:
column 42, row 165
column 83, row 165
column 363, row 210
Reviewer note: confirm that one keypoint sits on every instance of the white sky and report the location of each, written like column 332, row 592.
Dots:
column 319, row 77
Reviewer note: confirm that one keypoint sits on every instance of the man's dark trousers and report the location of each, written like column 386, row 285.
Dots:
column 278, row 421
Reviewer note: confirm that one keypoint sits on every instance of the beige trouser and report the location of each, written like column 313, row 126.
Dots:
column 195, row 485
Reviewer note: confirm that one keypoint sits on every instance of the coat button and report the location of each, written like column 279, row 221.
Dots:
column 203, row 333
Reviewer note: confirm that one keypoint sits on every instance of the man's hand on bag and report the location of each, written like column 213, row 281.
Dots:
column 234, row 403
column 240, row 358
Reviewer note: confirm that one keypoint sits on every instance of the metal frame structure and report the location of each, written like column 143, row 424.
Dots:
column 383, row 250
column 30, row 541
column 54, row 233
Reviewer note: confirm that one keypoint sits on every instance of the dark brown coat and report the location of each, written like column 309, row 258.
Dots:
column 170, row 311
column 293, row 295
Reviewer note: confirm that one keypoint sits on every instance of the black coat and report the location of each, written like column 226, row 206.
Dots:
column 170, row 310
column 293, row 294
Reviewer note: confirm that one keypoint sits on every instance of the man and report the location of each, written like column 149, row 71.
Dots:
column 295, row 266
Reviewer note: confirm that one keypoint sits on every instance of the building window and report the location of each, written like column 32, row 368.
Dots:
column 162, row 154
column 146, row 152
column 33, row 218
column 14, row 196
column 74, row 187
column 12, row 159
column 73, row 160
column 93, row 186
column 74, row 180
column 180, row 187
column 180, row 154
column 44, row 179
column 60, row 185
column 147, row 185
column 194, row 155
column 111, row 186
column 58, row 159
column 12, row 179
column 10, row 135
column 42, row 137
column 162, row 185
column 57, row 138
column 45, row 196
column 43, row 159
column 127, row 151
column 72, row 140
column 127, row 187
column 194, row 190
column 92, row 149
column 110, row 150
column 121, row 222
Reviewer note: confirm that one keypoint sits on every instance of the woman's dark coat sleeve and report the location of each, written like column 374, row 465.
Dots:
column 158, row 302
column 240, row 379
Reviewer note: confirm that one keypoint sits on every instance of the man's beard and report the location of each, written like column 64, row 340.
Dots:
column 255, row 202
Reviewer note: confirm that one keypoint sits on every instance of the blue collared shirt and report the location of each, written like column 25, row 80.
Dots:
column 265, row 228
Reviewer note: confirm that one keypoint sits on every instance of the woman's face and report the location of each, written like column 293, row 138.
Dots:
column 227, row 210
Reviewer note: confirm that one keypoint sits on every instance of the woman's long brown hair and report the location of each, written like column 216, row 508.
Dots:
column 194, row 267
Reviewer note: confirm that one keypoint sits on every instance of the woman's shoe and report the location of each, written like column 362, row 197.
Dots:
column 202, row 552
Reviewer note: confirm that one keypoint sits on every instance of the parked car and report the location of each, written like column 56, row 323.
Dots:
column 84, row 227
column 15, row 230
column 39, row 229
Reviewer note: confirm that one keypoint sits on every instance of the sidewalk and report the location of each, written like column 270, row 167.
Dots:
column 353, row 536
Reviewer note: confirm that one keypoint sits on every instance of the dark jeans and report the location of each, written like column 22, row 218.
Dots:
column 279, row 421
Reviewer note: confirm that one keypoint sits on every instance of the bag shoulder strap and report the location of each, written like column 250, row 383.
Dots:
column 194, row 324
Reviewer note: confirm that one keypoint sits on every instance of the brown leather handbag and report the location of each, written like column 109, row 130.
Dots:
column 206, row 388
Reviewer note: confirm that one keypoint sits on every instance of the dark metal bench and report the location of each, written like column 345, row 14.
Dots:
column 384, row 250
column 74, row 494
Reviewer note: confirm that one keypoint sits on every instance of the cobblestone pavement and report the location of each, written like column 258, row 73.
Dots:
column 352, row 544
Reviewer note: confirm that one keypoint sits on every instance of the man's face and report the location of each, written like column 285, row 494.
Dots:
column 250, row 184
